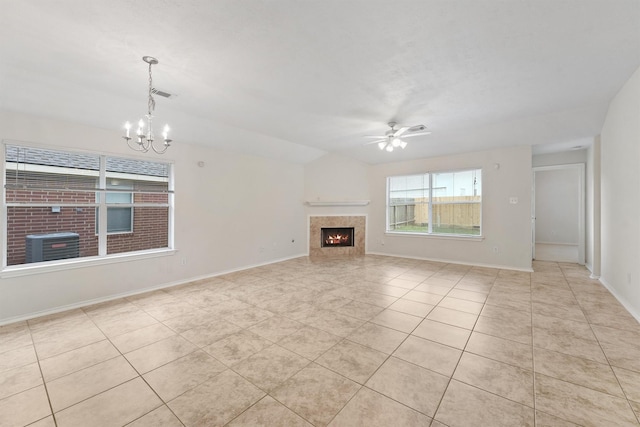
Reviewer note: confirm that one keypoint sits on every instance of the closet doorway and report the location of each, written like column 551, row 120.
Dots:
column 558, row 226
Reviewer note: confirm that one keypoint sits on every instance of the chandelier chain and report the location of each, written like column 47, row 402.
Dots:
column 151, row 103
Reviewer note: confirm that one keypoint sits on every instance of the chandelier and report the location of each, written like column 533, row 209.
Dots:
column 144, row 138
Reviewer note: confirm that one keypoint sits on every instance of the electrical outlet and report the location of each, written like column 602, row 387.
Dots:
column 495, row 249
column 183, row 261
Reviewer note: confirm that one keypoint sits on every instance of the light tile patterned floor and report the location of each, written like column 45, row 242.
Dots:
column 368, row 341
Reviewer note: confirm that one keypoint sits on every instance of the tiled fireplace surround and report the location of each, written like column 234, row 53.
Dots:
column 316, row 223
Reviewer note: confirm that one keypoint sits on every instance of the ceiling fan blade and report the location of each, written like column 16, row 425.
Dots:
column 375, row 136
column 401, row 131
column 417, row 128
column 416, row 134
column 375, row 142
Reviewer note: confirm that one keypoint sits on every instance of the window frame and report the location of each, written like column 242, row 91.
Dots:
column 429, row 188
column 100, row 205
column 117, row 205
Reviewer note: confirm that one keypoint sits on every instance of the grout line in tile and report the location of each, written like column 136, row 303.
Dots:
column 603, row 352
column 44, row 383
column 240, row 298
column 458, row 362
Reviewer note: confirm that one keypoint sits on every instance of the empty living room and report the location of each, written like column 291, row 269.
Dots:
column 320, row 213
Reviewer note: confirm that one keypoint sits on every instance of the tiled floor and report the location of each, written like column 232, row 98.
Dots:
column 370, row 341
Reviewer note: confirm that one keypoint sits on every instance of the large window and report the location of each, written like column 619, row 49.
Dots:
column 448, row 203
column 62, row 205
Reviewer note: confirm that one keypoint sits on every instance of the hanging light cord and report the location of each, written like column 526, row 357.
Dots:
column 152, row 102
column 151, row 106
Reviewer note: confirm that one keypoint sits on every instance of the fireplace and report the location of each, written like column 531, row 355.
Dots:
column 321, row 227
column 336, row 237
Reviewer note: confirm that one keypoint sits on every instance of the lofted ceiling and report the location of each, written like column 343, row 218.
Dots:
column 295, row 79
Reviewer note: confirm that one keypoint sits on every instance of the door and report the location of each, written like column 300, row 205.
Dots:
column 558, row 229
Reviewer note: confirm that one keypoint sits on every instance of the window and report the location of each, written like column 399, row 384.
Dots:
column 119, row 219
column 105, row 205
column 448, row 203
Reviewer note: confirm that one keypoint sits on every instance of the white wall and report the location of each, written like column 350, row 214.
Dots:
column 235, row 212
column 557, row 197
column 620, row 195
column 336, row 178
column 506, row 227
column 593, row 201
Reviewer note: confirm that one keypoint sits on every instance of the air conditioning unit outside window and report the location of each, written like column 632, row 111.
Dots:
column 52, row 246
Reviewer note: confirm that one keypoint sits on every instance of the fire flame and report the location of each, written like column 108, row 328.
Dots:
column 336, row 239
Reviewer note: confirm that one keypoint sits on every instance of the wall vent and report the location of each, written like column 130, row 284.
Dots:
column 162, row 93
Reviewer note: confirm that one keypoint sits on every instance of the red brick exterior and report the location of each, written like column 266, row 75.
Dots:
column 150, row 224
column 22, row 221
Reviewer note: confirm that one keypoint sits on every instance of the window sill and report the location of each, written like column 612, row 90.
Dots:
column 62, row 265
column 468, row 238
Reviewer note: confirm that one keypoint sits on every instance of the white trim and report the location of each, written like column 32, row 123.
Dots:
column 465, row 237
column 172, row 206
column 87, row 303
column 592, row 275
column 449, row 261
column 338, row 203
column 626, row 304
column 101, row 211
column 557, row 243
column 87, row 205
column 67, row 264
column 3, row 207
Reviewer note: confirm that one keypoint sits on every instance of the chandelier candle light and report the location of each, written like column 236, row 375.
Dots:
column 144, row 141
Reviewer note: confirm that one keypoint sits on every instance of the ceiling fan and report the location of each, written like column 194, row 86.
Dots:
column 392, row 138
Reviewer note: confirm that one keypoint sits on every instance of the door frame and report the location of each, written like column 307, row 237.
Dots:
column 581, row 206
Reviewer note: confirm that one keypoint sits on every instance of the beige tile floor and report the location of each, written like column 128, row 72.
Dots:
column 368, row 341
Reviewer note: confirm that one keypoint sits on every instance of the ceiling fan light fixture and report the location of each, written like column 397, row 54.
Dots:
column 394, row 138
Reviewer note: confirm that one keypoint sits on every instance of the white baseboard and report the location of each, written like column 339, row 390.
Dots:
column 590, row 268
column 89, row 302
column 630, row 308
column 450, row 261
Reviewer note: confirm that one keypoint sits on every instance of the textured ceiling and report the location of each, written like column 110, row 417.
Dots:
column 294, row 79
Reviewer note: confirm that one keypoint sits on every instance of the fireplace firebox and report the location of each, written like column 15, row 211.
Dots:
column 335, row 237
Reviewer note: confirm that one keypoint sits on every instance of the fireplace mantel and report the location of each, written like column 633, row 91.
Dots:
column 338, row 203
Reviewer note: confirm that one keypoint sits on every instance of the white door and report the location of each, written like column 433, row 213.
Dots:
column 559, row 210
